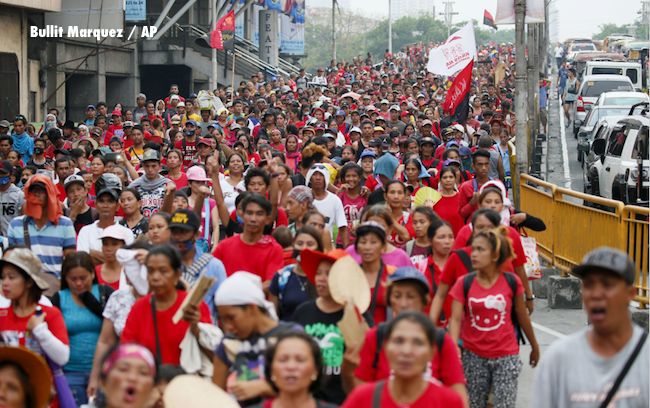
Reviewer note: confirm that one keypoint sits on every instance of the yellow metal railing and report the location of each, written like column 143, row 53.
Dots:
column 573, row 228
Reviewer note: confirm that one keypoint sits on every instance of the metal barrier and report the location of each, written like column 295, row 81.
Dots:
column 573, row 229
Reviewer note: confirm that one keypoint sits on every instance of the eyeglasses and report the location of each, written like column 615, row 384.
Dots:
column 19, row 117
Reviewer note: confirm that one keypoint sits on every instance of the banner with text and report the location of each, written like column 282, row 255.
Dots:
column 291, row 23
column 455, row 53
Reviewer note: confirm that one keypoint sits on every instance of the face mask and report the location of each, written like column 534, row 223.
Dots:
column 38, row 151
column 183, row 246
column 467, row 163
column 4, row 181
column 296, row 254
column 23, row 181
column 189, row 132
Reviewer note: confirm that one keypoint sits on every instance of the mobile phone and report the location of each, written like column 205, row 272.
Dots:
column 112, row 156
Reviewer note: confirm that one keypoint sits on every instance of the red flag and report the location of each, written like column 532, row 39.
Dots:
column 459, row 89
column 488, row 20
column 224, row 34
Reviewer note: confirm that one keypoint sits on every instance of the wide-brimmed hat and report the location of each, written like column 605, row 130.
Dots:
column 92, row 141
column 193, row 391
column 310, row 259
column 28, row 262
column 348, row 284
column 37, row 370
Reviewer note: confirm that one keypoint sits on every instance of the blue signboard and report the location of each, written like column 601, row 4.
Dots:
column 136, row 10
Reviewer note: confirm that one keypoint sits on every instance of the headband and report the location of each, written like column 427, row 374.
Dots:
column 129, row 350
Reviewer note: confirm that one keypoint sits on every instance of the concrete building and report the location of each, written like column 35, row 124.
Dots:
column 43, row 64
column 412, row 8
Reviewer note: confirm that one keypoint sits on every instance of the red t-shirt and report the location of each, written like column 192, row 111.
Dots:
column 14, row 328
column 445, row 365
column 487, row 329
column 62, row 194
column 49, row 152
column 380, row 314
column 437, row 275
column 466, row 232
column 180, row 182
column 465, row 192
column 395, row 239
column 371, row 183
column 98, row 271
column 188, row 152
column 236, row 256
column 434, row 396
column 447, row 209
column 455, row 268
column 139, row 327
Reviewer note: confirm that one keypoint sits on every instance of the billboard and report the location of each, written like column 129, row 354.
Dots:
column 135, row 10
column 291, row 23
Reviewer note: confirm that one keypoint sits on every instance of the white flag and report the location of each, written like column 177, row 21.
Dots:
column 455, row 53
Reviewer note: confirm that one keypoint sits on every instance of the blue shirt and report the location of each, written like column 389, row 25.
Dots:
column 48, row 243
column 563, row 74
column 214, row 269
column 83, row 331
column 24, row 144
column 543, row 97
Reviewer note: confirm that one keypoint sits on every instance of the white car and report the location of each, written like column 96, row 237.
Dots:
column 621, row 160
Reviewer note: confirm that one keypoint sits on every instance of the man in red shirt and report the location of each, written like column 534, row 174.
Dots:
column 173, row 90
column 187, row 145
column 115, row 129
column 252, row 251
column 58, row 143
column 63, row 167
column 469, row 190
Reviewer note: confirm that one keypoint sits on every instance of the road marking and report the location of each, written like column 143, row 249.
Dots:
column 565, row 150
column 549, row 331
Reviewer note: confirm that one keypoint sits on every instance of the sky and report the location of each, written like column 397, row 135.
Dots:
column 576, row 18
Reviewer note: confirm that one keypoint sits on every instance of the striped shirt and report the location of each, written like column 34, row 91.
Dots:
column 48, row 243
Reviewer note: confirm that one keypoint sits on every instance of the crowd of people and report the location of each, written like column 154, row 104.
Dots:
column 177, row 238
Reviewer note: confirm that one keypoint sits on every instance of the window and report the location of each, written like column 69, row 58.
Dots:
column 632, row 74
column 607, row 71
column 623, row 101
column 617, row 140
column 593, row 89
column 642, row 139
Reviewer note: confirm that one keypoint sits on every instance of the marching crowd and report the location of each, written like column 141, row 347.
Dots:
column 333, row 241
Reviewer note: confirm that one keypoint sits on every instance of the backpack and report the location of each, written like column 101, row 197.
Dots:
column 439, row 338
column 512, row 282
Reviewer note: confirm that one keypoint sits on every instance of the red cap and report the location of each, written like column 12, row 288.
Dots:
column 405, row 113
column 116, row 113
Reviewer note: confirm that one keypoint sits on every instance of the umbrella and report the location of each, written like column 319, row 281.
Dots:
column 352, row 95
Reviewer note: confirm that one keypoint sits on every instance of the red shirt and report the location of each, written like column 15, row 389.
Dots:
column 62, row 194
column 447, row 209
column 188, row 152
column 434, row 396
column 139, row 327
column 465, row 233
column 180, row 182
column 49, row 152
column 395, row 239
column 98, row 271
column 466, row 191
column 380, row 303
column 235, row 255
column 445, row 365
column 371, row 183
column 455, row 268
column 437, row 275
column 14, row 328
column 487, row 329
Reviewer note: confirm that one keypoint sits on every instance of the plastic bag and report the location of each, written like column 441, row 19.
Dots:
column 533, row 267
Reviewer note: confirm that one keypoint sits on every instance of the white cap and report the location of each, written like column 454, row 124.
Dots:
column 118, row 232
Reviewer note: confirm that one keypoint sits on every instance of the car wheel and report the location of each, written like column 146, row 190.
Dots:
column 579, row 156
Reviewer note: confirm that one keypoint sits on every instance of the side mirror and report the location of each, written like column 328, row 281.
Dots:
column 584, row 146
column 598, row 146
column 583, row 135
column 638, row 90
column 588, row 106
column 578, row 122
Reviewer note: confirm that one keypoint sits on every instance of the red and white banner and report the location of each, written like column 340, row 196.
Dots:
column 459, row 88
column 455, row 53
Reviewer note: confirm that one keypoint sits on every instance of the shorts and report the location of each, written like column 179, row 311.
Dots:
column 568, row 102
column 543, row 116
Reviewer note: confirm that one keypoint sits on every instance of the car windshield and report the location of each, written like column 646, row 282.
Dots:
column 602, row 112
column 624, row 101
column 641, row 137
column 583, row 47
column 595, row 88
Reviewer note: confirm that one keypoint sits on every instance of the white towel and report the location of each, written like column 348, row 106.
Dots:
column 133, row 270
column 193, row 360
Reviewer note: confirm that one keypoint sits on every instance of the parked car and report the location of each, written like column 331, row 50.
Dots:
column 621, row 166
column 593, row 118
column 590, row 89
column 602, row 130
column 608, row 67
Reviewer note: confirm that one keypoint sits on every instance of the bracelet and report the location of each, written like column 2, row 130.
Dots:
column 275, row 175
column 530, row 298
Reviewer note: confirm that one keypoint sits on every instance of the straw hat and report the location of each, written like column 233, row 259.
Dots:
column 36, row 369
column 28, row 262
column 193, row 391
column 310, row 259
column 347, row 283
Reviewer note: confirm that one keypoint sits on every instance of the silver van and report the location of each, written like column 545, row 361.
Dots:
column 630, row 69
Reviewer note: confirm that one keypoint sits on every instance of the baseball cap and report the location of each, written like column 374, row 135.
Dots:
column 196, row 173
column 427, row 122
column 368, row 153
column 376, row 142
column 384, row 101
column 450, row 161
column 90, row 106
column 185, row 219
column 458, row 127
column 274, row 79
column 355, row 129
column 72, row 180
column 64, row 152
column 393, row 108
column 118, row 232
column 340, row 113
column 410, row 273
column 206, row 141
column 116, row 113
column 4, row 123
column 178, row 98
column 378, row 129
column 151, row 155
column 404, row 114
column 191, row 122
column 608, row 259
column 176, row 120
column 465, row 151
column 128, row 123
column 6, row 167
column 425, row 140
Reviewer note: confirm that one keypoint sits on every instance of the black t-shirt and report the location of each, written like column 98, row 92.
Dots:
column 298, row 180
column 322, row 327
column 84, row 219
column 377, row 197
column 39, row 166
column 140, row 228
column 233, row 228
column 293, row 292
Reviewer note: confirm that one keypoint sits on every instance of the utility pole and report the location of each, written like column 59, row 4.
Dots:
column 213, row 79
column 333, row 30
column 533, row 85
column 390, row 28
column 521, row 103
column 448, row 13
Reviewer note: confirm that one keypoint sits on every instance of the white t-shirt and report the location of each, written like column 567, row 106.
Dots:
column 559, row 52
column 88, row 238
column 332, row 208
column 230, row 193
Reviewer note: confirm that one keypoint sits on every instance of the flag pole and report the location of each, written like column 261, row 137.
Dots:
column 213, row 80
column 233, row 75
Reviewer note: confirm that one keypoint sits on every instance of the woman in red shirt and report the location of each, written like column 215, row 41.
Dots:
column 370, row 244
column 409, row 350
column 487, row 307
column 163, row 274
column 447, row 206
column 110, row 272
column 408, row 290
column 403, row 225
column 175, row 164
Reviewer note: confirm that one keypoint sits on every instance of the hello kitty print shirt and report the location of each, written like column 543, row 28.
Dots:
column 487, row 329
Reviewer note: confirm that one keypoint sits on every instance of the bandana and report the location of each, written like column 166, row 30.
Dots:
column 243, row 288
column 34, row 207
column 129, row 350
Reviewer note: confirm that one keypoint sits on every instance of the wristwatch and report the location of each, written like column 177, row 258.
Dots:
column 530, row 298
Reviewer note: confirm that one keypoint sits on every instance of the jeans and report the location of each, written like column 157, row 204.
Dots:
column 78, row 382
column 559, row 62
